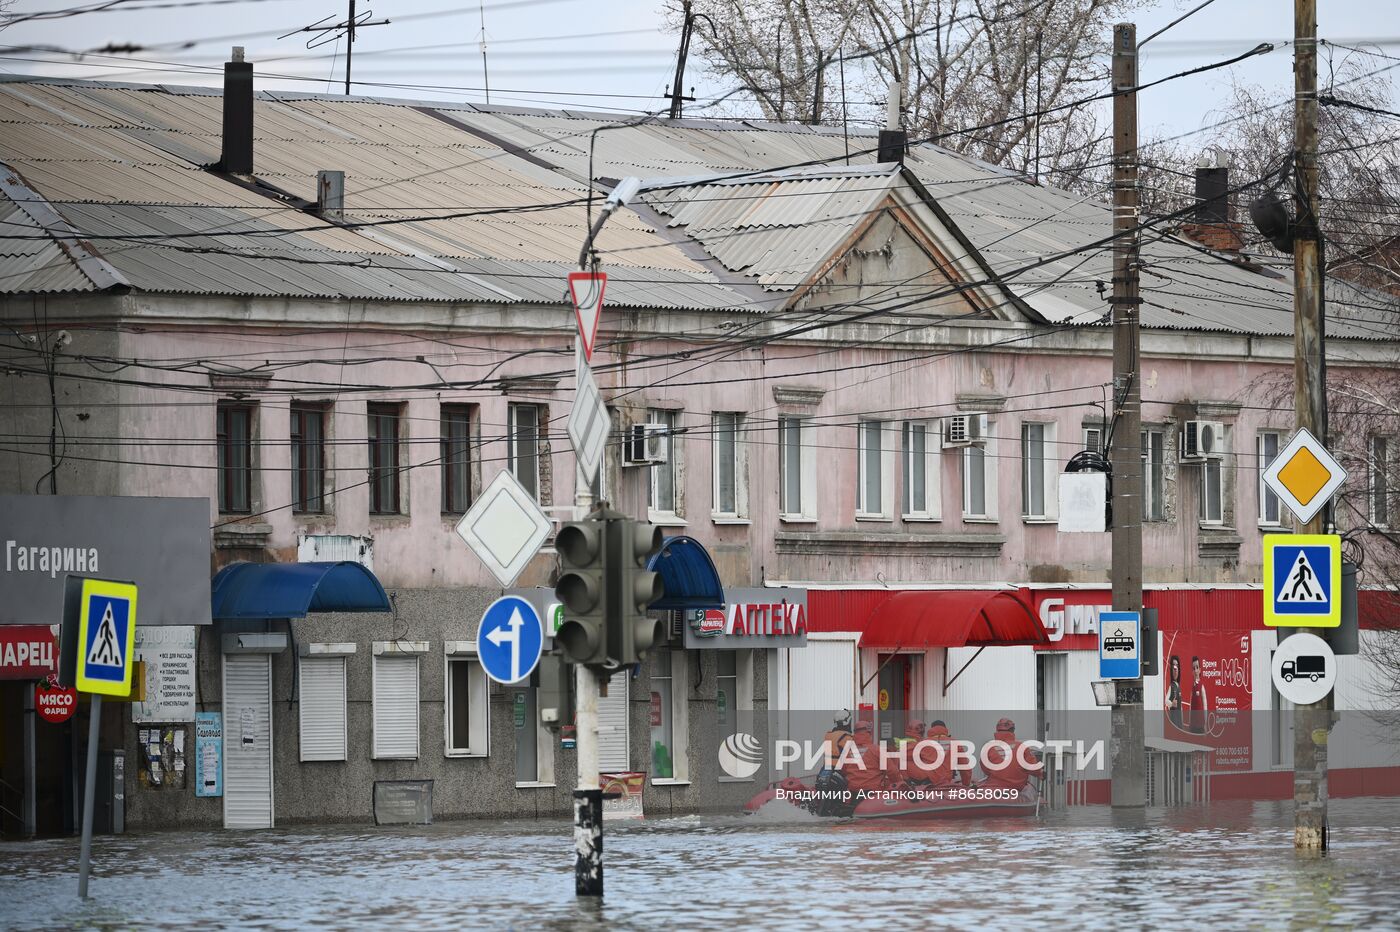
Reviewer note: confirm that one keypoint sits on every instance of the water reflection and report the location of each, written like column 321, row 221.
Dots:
column 1229, row 864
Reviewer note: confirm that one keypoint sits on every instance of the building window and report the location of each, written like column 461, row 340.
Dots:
column 455, row 456
column 1038, row 470
column 979, row 476
column 664, row 497
column 1093, row 439
column 384, row 451
column 395, row 700
column 919, row 445
column 1210, row 507
column 468, row 720
column 234, row 434
column 524, row 453
column 726, row 686
column 321, row 707
column 534, row 743
column 1266, row 447
column 1379, row 492
column 873, row 490
column 308, row 436
column 1153, row 456
column 668, row 716
column 796, row 470
column 730, row 465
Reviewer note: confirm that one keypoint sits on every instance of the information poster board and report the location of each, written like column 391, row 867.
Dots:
column 1208, row 694
column 169, row 659
column 208, row 754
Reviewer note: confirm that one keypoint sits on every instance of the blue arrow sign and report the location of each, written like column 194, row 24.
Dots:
column 510, row 639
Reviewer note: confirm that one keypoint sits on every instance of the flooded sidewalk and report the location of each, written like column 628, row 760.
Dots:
column 1228, row 864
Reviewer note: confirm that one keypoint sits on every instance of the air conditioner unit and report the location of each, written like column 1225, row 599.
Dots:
column 647, row 445
column 964, row 430
column 1201, row 441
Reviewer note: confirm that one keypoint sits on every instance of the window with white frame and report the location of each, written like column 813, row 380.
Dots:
column 1153, row 441
column 669, row 715
column 733, row 688
column 467, row 701
column 1210, row 497
column 979, row 477
column 1093, row 438
column 1378, row 486
column 796, row 470
column 664, row 499
column 523, row 453
column 321, row 707
column 919, row 465
column 729, row 466
column 874, row 458
column 1266, row 445
column 1039, row 468
column 395, row 700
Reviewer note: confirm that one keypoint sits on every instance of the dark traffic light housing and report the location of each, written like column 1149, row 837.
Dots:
column 606, row 590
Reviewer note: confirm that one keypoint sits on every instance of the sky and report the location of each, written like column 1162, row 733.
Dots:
column 589, row 54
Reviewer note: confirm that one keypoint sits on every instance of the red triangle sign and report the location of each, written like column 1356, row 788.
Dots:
column 586, row 290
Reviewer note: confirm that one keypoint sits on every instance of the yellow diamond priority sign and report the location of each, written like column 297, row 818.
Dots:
column 1304, row 475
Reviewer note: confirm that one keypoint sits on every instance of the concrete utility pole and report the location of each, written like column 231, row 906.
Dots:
column 1128, row 748
column 1310, row 723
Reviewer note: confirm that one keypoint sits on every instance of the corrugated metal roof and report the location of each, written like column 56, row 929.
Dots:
column 138, row 154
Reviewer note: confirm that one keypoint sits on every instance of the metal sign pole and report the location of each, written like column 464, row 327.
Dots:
column 89, row 791
column 588, row 798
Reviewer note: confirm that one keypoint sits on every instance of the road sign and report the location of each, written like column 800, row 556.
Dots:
column 1305, row 669
column 589, row 424
column 1304, row 475
column 504, row 527
column 509, row 640
column 586, row 291
column 1302, row 580
column 1120, row 645
column 106, row 637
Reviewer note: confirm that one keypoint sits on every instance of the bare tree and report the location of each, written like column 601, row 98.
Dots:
column 975, row 73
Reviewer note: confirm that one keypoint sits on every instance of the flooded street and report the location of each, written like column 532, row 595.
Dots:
column 1228, row 864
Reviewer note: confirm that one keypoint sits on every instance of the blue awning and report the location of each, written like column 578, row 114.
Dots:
column 688, row 574
column 290, row 590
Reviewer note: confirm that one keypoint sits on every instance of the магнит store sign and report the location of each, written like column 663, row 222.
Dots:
column 750, row 618
column 1072, row 623
column 27, row 652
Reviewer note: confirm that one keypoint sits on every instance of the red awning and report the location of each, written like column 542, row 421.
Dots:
column 915, row 619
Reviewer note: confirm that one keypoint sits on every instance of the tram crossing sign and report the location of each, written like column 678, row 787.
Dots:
column 99, row 635
column 1302, row 580
column 1120, row 645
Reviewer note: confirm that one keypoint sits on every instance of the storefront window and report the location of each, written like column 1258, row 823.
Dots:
column 726, row 686
column 668, row 716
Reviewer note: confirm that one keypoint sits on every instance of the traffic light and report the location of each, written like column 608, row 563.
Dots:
column 583, row 633
column 633, row 632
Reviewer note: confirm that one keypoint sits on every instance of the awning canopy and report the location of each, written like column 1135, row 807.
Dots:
column 918, row 619
column 291, row 590
column 688, row 574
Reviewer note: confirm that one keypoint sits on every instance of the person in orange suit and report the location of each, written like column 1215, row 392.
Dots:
column 1014, row 764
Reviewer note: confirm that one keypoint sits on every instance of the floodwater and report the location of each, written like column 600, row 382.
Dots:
column 1228, row 865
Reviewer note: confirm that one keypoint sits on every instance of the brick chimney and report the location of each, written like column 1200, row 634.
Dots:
column 238, row 115
column 1213, row 226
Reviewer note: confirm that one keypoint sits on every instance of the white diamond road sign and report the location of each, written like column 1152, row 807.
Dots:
column 1304, row 475
column 504, row 527
column 589, row 424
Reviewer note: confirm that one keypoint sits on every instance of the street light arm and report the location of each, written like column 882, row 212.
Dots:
column 620, row 196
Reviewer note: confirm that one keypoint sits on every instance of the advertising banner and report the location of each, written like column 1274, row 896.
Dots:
column 169, row 661
column 630, row 784
column 208, row 754
column 27, row 652
column 1208, row 694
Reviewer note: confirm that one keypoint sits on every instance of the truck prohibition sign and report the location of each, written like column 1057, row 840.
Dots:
column 1313, row 666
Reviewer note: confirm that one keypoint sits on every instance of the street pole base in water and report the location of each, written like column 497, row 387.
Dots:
column 588, row 842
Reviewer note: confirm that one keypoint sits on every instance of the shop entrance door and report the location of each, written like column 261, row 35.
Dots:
column 895, row 695
column 247, row 741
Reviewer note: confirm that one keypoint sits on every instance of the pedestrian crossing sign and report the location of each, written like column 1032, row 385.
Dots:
column 1302, row 580
column 106, row 636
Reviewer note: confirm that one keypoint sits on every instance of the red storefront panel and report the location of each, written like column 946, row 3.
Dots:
column 27, row 652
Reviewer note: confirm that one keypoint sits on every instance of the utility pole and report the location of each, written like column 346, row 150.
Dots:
column 1129, row 750
column 1311, row 722
column 675, row 91
column 349, row 44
